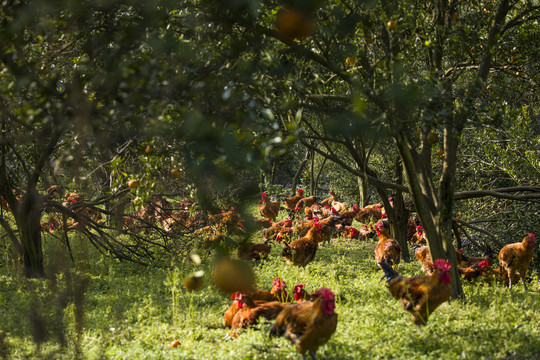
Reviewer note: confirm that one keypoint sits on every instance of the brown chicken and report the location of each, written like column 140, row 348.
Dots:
column 308, row 211
column 308, row 325
column 305, row 202
column 424, row 258
column 275, row 228
column 418, row 237
column 328, row 228
column 497, row 275
column 346, row 215
column 267, row 208
column 338, row 207
column 259, row 296
column 349, row 232
column 250, row 251
column 290, row 202
column 515, row 258
column 249, row 311
column 466, row 261
column 387, row 249
column 302, row 251
column 472, row 272
column 369, row 213
column 328, row 201
column 420, row 295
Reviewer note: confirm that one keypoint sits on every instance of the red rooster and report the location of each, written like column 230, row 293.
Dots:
column 308, row 325
column 268, row 209
column 302, row 251
column 420, row 295
column 387, row 249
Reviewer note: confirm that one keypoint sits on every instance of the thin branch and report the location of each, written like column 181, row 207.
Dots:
column 464, row 223
column 372, row 180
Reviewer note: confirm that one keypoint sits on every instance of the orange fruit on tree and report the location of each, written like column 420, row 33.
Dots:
column 133, row 183
column 350, row 61
column 294, row 24
column 391, row 25
column 175, row 172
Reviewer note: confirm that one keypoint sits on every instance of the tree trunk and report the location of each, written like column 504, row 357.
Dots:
column 436, row 227
column 28, row 219
column 272, row 174
column 401, row 215
column 363, row 190
column 312, row 173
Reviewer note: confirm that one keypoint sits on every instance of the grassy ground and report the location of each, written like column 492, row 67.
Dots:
column 134, row 312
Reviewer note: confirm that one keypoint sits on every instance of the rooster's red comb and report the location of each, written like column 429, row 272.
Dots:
column 279, row 283
column 442, row 265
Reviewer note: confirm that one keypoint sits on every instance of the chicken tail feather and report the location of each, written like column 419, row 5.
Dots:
column 389, row 273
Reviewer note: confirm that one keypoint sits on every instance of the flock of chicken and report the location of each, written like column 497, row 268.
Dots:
column 309, row 320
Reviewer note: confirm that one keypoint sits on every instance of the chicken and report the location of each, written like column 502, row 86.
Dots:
column 268, row 209
column 259, row 296
column 302, row 251
column 370, row 212
column 424, row 258
column 472, row 272
column 300, row 294
column 308, row 325
column 387, row 249
column 250, row 251
column 466, row 261
column 418, row 237
column 328, row 228
column 306, row 202
column 349, row 232
column 338, row 207
column 302, row 227
column 55, row 192
column 250, row 311
column 227, row 221
column 515, row 258
column 308, row 211
column 328, row 201
column 346, row 215
column 497, row 275
column 290, row 203
column 367, row 231
column 276, row 228
column 321, row 212
column 420, row 295
column 285, row 235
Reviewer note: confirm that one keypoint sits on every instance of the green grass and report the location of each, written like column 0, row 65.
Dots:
column 129, row 313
